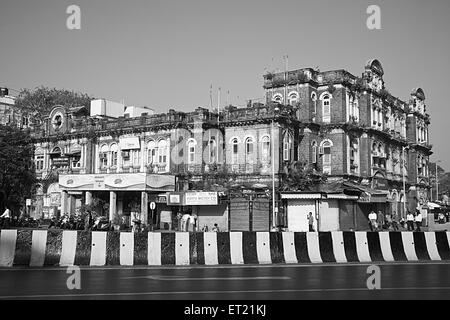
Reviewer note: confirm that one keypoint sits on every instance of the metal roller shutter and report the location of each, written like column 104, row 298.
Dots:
column 239, row 214
column 261, row 215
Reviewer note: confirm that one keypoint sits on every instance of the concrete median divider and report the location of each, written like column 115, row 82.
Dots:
column 38, row 248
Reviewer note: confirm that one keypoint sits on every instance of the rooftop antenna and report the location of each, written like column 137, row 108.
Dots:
column 210, row 97
column 218, row 105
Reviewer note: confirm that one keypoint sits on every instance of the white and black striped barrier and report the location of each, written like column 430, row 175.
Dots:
column 37, row 248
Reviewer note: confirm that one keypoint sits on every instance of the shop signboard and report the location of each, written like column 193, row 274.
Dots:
column 175, row 199
column 60, row 162
column 200, row 198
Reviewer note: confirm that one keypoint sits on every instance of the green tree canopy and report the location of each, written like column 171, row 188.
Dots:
column 299, row 176
column 41, row 100
column 17, row 174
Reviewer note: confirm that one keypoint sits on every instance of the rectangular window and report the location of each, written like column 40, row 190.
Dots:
column 39, row 163
column 126, row 158
column 314, row 154
column 327, row 156
column 103, row 159
column 136, row 158
column 191, row 155
column 114, row 158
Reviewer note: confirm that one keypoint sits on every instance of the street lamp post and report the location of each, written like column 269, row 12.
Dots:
column 274, row 208
column 404, row 180
column 437, row 181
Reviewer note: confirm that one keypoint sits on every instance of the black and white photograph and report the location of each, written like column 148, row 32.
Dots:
column 218, row 156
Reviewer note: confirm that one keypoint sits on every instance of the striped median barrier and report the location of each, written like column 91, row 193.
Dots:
column 37, row 248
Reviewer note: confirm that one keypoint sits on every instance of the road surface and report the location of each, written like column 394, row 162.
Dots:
column 268, row 282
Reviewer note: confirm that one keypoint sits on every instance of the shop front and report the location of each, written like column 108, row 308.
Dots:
column 197, row 211
column 122, row 196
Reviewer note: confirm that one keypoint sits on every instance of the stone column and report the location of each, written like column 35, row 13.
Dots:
column 112, row 205
column 88, row 196
column 64, row 207
column 144, row 207
column 71, row 207
column 143, row 148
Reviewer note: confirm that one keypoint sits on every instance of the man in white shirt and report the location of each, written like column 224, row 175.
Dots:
column 373, row 221
column 6, row 213
column 418, row 220
column 6, row 217
column 410, row 221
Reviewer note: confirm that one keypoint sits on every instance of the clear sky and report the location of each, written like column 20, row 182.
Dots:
column 166, row 54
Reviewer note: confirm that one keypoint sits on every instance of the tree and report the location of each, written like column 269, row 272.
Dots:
column 299, row 176
column 17, row 174
column 41, row 100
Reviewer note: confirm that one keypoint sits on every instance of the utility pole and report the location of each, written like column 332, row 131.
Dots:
column 437, row 180
column 404, row 180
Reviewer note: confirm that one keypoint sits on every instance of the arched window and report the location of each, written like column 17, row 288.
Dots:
column 265, row 149
column 287, row 147
column 314, row 100
column 278, row 98
column 212, row 150
column 191, row 151
column 314, row 152
column 162, row 151
column 56, row 151
column 151, row 152
column 326, row 108
column 249, row 150
column 327, row 153
column 103, row 156
column 234, row 150
column 374, row 148
column 39, row 159
column 354, row 155
column 293, row 98
column 114, row 152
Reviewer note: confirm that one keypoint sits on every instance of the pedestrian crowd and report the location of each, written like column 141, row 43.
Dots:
column 380, row 221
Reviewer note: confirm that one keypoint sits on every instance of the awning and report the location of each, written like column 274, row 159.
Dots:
column 369, row 195
column 308, row 196
column 342, row 197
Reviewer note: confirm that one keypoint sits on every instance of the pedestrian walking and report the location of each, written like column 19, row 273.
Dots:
column 88, row 220
column 6, row 217
column 311, row 222
column 418, row 220
column 380, row 220
column 373, row 221
column 410, row 221
column 395, row 222
column 215, row 228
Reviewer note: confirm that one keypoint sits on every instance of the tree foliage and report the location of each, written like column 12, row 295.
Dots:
column 17, row 175
column 299, row 176
column 41, row 100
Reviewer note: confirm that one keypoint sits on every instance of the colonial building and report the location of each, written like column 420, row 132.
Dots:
column 224, row 168
column 358, row 133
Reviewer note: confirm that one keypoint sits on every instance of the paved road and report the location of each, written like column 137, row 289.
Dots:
column 330, row 281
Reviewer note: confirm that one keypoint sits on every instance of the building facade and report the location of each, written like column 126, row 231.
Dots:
column 224, row 167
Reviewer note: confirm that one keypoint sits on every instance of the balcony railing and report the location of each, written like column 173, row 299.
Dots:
column 157, row 168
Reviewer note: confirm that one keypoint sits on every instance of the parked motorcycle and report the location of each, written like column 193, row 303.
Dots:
column 101, row 224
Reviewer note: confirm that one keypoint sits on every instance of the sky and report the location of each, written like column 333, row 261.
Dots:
column 166, row 54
